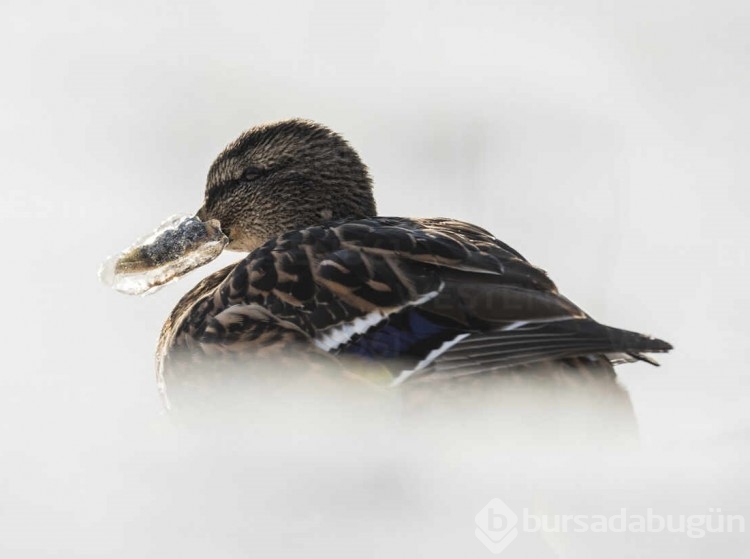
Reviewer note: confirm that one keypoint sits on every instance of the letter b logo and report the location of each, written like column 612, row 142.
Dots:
column 496, row 525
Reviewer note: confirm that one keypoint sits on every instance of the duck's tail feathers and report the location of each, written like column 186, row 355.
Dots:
column 521, row 343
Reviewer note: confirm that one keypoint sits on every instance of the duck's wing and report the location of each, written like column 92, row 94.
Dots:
column 327, row 278
column 506, row 326
column 418, row 291
column 532, row 342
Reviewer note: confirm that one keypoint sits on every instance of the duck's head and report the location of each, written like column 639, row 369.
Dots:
column 273, row 178
column 283, row 176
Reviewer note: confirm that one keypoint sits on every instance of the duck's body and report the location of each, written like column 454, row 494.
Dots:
column 327, row 285
column 428, row 299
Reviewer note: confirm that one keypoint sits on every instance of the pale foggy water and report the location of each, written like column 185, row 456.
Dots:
column 607, row 144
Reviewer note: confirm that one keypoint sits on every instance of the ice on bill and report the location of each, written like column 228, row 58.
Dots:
column 179, row 245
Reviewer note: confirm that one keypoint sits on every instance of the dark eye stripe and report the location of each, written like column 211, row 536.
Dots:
column 252, row 173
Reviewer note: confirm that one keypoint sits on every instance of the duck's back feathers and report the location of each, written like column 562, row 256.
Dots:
column 431, row 296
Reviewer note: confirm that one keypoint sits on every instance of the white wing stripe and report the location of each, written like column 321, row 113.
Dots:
column 334, row 337
column 434, row 354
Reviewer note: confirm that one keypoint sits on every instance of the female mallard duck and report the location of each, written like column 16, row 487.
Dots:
column 327, row 280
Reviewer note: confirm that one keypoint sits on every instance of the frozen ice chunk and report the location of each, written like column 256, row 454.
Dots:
column 179, row 245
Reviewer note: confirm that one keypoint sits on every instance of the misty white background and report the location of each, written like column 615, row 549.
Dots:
column 605, row 141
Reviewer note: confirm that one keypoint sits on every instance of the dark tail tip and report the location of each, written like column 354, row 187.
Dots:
column 647, row 344
column 655, row 344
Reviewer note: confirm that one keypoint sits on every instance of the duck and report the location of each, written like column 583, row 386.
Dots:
column 330, row 285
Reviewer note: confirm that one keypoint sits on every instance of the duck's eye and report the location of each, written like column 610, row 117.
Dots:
column 252, row 173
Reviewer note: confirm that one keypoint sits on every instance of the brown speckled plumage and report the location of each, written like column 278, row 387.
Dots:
column 327, row 282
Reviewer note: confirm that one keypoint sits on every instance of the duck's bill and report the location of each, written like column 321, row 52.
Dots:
column 179, row 245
